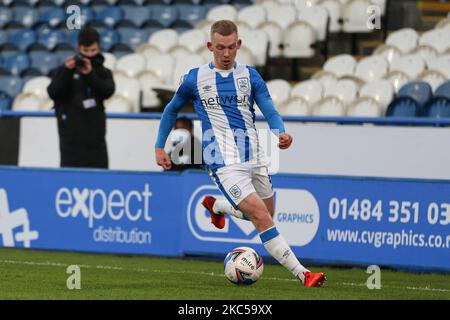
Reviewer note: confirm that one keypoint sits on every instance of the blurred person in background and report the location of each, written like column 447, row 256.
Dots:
column 78, row 89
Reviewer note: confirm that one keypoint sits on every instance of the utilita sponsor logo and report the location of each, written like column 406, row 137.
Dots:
column 96, row 204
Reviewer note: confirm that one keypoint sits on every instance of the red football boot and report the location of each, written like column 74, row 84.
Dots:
column 314, row 279
column 216, row 219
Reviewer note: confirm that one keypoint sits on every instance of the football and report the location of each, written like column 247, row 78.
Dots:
column 243, row 266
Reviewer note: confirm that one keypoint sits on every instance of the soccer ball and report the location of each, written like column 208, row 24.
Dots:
column 243, row 266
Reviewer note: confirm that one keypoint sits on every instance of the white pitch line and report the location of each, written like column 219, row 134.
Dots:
column 211, row 274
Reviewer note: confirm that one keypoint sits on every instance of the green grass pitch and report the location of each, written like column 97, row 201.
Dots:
column 31, row 274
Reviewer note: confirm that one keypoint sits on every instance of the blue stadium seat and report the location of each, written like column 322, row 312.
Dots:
column 23, row 39
column 9, row 50
column 137, row 15
column 191, row 14
column 420, row 91
column 62, row 54
column 71, row 37
column 16, row 64
column 3, row 36
column 11, row 85
column 53, row 17
column 133, row 37
column 437, row 108
column 119, row 50
column 403, row 107
column 164, row 15
column 109, row 38
column 6, row 16
column 51, row 39
column 183, row 2
column 43, row 61
column 87, row 15
column 110, row 16
column 26, row 16
column 50, row 3
column 443, row 90
column 5, row 101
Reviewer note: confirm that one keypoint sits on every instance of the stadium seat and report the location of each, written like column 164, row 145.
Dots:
column 129, row 88
column 274, row 32
column 61, row 54
column 120, row 50
column 164, row 39
column 437, row 108
column 382, row 91
column 404, row 39
column 6, row 16
column 280, row 91
column 340, row 65
column 443, row 90
column 110, row 16
column 222, row 12
column 37, row 86
column 412, row 65
column 53, row 17
column 3, row 36
column 426, row 52
column 131, row 64
column 334, row 8
column 23, row 39
column 16, row 64
column 326, row 78
column 110, row 60
column 346, row 90
column 295, row 106
column 420, row 91
column 295, row 46
column 191, row 14
column 5, row 101
column 164, row 15
column 183, row 65
column 27, row 102
column 354, row 21
column 51, row 39
column 148, row 80
column 253, row 15
column 441, row 63
column 282, row 15
column 388, row 52
column 371, row 68
column 397, row 79
column 148, row 51
column 27, row 17
column 133, row 37
column 244, row 56
column 302, row 4
column 108, row 39
column 364, row 107
column 44, row 61
column 436, row 38
column 257, row 41
column 329, row 106
column 136, row 15
column 433, row 77
column 87, row 15
column 11, row 85
column 193, row 39
column 403, row 107
column 179, row 51
column 118, row 104
column 310, row 90
column 317, row 17
column 162, row 65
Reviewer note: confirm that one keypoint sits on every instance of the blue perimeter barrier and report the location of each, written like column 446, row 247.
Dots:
column 342, row 220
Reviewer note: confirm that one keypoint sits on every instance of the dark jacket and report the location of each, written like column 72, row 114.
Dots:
column 79, row 127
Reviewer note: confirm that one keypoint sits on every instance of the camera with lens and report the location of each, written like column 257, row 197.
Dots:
column 79, row 61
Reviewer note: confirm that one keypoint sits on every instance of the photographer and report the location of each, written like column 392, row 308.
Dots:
column 78, row 89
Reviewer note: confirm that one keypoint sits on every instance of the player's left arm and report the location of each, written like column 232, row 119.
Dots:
column 265, row 104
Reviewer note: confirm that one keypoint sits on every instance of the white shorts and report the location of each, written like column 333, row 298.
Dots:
column 237, row 181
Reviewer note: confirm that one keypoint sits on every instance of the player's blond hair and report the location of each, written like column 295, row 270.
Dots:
column 223, row 27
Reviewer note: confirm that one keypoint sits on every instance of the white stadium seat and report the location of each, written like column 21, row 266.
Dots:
column 254, row 15
column 282, row 15
column 326, row 78
column 27, row 102
column 244, row 56
column 280, row 91
column 110, row 60
column 330, row 107
column 310, row 90
column 404, row 39
column 334, row 8
column 295, row 106
column 183, row 65
column 340, row 65
column 441, row 63
column 364, row 107
column 162, row 65
column 371, row 68
column 427, row 52
column 381, row 90
column 436, row 38
column 295, row 46
column 222, row 12
column 354, row 15
column 433, row 77
column 129, row 88
column 257, row 41
column 164, row 39
column 302, row 4
column 179, row 51
column 193, row 39
column 410, row 64
column 317, row 17
column 397, row 79
column 147, row 81
column 148, row 51
column 388, row 52
column 37, row 86
column 118, row 104
column 346, row 90
column 131, row 64
column 274, row 32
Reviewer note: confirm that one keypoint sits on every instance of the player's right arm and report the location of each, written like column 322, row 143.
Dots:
column 169, row 116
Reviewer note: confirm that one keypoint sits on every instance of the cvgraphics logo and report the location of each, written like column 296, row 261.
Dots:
column 10, row 220
column 96, row 205
column 297, row 217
